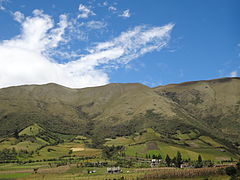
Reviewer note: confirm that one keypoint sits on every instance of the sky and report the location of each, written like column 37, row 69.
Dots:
column 85, row 43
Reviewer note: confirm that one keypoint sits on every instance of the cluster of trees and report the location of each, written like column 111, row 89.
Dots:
column 148, row 156
column 110, row 151
column 177, row 161
column 12, row 154
column 127, row 163
column 8, row 154
column 233, row 172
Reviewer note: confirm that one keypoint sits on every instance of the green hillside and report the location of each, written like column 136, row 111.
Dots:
column 49, row 120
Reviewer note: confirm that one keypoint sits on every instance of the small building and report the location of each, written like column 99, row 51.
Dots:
column 114, row 170
column 155, row 163
column 186, row 165
column 91, row 171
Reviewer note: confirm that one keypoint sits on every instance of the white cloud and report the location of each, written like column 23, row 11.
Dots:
column 112, row 8
column 85, row 11
column 1, row 4
column 234, row 74
column 26, row 58
column 18, row 16
column 126, row 14
column 136, row 42
column 96, row 25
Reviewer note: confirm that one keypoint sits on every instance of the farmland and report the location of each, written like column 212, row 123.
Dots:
column 73, row 172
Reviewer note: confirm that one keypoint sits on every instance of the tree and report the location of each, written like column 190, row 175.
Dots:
column 159, row 156
column 153, row 156
column 174, row 161
column 35, row 170
column 110, row 151
column 199, row 162
column 146, row 156
column 178, row 160
column 168, row 160
column 15, row 134
column 238, row 166
column 231, row 171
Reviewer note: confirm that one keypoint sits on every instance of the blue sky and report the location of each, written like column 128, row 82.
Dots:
column 82, row 43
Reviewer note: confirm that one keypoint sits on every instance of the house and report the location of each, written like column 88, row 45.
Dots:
column 113, row 170
column 186, row 165
column 91, row 172
column 155, row 163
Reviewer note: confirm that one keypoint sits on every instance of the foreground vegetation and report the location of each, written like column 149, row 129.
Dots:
column 72, row 171
column 35, row 153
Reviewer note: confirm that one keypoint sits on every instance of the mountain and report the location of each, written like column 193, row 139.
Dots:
column 215, row 103
column 206, row 108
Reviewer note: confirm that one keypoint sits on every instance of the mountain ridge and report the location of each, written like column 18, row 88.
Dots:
column 210, row 107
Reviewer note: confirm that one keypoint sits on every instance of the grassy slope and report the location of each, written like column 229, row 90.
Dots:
column 214, row 102
column 190, row 115
column 151, row 143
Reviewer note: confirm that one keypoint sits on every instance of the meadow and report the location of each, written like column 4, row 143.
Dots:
column 25, row 172
column 58, row 156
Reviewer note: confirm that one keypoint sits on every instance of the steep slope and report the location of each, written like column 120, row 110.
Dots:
column 210, row 108
column 74, row 110
column 214, row 102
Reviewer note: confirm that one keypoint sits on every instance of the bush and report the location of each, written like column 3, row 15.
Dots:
column 238, row 166
column 231, row 171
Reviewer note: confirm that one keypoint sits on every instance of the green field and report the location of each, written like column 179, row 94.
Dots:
column 72, row 172
column 59, row 156
column 13, row 176
column 150, row 142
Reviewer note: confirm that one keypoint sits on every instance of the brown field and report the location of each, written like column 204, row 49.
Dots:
column 183, row 173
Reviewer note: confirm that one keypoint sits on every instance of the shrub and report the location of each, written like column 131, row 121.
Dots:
column 231, row 171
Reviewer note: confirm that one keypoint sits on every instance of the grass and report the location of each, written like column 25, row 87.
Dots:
column 8, row 142
column 182, row 136
column 210, row 141
column 26, row 145
column 60, row 150
column 149, row 135
column 185, row 136
column 12, row 166
column 196, row 143
column 187, row 152
column 13, row 176
column 119, row 141
column 164, row 149
column 215, row 154
column 72, row 172
column 202, row 178
column 31, row 130
column 150, row 143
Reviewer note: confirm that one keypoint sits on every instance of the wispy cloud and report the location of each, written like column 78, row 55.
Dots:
column 234, row 74
column 85, row 11
column 136, row 42
column 96, row 24
column 238, row 46
column 2, row 2
column 18, row 16
column 27, row 58
column 125, row 14
column 112, row 8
